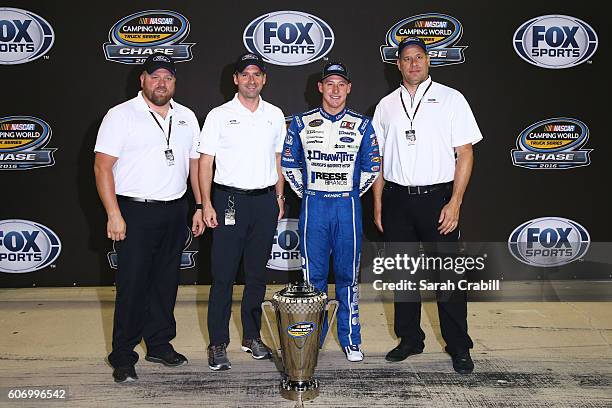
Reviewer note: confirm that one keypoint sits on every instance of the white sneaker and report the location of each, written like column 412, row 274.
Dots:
column 353, row 353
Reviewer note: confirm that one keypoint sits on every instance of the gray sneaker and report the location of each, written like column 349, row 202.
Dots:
column 217, row 357
column 257, row 348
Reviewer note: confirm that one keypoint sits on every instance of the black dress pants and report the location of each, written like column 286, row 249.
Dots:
column 251, row 237
column 414, row 218
column 147, row 278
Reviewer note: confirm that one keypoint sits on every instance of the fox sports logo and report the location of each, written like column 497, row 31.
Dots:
column 27, row 246
column 24, row 36
column 555, row 41
column 549, row 241
column 289, row 37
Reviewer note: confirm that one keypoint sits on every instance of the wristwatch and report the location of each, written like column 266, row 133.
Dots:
column 199, row 206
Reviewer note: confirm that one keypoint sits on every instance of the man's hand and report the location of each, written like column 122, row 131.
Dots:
column 197, row 224
column 210, row 216
column 281, row 208
column 378, row 217
column 449, row 217
column 116, row 228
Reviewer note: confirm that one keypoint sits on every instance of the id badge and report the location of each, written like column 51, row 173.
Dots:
column 230, row 217
column 169, row 157
column 411, row 137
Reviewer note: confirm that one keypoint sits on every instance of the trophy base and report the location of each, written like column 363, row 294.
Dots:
column 299, row 390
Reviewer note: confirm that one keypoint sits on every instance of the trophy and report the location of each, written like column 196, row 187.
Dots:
column 300, row 310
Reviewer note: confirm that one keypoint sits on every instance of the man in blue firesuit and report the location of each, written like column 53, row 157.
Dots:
column 330, row 158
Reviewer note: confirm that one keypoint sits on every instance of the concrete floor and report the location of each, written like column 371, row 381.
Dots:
column 527, row 354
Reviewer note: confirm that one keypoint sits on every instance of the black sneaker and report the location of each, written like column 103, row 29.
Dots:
column 217, row 357
column 257, row 348
column 462, row 362
column 402, row 351
column 170, row 359
column 124, row 374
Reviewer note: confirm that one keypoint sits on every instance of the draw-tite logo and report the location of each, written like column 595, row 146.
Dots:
column 549, row 241
column 289, row 37
column 555, row 41
column 22, row 143
column 439, row 32
column 27, row 246
column 24, row 36
column 133, row 38
column 553, row 144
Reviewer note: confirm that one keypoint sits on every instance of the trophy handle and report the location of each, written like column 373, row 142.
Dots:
column 333, row 316
column 268, row 304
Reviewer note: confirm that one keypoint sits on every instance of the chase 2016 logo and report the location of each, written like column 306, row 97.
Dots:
column 440, row 32
column 22, row 143
column 133, row 38
column 27, row 246
column 555, row 41
column 549, row 241
column 24, row 36
column 285, row 254
column 289, row 37
column 553, row 144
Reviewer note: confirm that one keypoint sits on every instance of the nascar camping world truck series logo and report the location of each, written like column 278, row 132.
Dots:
column 553, row 144
column 440, row 32
column 135, row 37
column 22, row 142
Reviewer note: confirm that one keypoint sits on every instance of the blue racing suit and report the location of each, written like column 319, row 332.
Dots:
column 330, row 161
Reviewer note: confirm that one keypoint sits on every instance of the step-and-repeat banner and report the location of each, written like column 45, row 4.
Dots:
column 537, row 77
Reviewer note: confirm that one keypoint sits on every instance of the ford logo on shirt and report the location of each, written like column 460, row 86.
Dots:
column 346, row 139
column 555, row 41
column 24, row 36
column 549, row 241
column 289, row 37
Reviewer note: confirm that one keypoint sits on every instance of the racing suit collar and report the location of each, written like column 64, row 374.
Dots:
column 330, row 117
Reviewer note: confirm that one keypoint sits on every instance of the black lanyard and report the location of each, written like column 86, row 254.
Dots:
column 411, row 119
column 162, row 129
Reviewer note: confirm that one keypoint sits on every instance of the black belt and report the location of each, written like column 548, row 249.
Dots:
column 418, row 190
column 146, row 200
column 236, row 190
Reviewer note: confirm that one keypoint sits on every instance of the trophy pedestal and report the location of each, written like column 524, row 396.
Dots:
column 299, row 390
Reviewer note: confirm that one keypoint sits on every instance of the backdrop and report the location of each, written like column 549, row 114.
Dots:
column 517, row 65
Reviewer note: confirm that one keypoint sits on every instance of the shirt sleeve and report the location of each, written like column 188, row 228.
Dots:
column 369, row 159
column 195, row 130
column 211, row 132
column 111, row 135
column 379, row 128
column 464, row 129
column 292, row 157
column 282, row 133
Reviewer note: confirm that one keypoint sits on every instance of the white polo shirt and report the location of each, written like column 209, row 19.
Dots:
column 443, row 121
column 244, row 143
column 129, row 132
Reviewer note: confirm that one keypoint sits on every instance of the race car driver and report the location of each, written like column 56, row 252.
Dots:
column 330, row 158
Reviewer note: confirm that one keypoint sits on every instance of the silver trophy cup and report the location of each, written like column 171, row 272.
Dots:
column 300, row 310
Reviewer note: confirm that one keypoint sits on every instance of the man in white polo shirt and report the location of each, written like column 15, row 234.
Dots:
column 243, row 138
column 426, row 131
column 145, row 150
